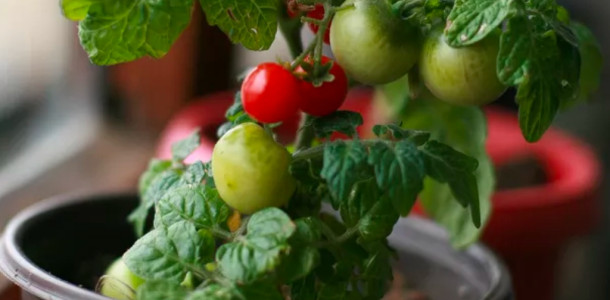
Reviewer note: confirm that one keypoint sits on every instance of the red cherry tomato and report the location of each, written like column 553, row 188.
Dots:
column 327, row 98
column 270, row 93
column 318, row 14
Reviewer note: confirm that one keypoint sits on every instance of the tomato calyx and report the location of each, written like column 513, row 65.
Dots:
column 322, row 95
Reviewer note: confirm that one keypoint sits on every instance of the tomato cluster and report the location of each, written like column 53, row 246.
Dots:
column 271, row 93
column 375, row 46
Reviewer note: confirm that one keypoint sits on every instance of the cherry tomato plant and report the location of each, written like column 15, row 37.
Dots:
column 259, row 222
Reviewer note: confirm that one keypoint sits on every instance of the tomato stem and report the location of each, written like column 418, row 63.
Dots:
column 305, row 134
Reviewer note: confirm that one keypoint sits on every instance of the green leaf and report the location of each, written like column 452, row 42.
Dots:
column 76, row 10
column 303, row 258
column 250, row 23
column 341, row 121
column 399, row 170
column 251, row 257
column 377, row 273
column 116, row 31
column 199, row 205
column 344, row 163
column 195, row 173
column 591, row 61
column 183, row 148
column 472, row 20
column 154, row 183
column 155, row 168
column 213, row 292
column 465, row 129
column 524, row 47
column 160, row 290
column 542, row 66
column 447, row 165
column 379, row 221
column 169, row 253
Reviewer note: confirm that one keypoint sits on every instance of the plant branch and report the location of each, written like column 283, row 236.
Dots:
column 305, row 134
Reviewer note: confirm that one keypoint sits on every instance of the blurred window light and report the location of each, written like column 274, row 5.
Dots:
column 48, row 91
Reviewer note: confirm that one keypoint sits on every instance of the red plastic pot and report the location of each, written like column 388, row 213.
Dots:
column 530, row 226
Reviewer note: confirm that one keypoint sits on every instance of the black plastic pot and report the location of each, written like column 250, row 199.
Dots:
column 57, row 249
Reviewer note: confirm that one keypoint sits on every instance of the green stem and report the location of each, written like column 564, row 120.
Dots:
column 323, row 25
column 305, row 134
column 221, row 234
column 348, row 234
column 299, row 59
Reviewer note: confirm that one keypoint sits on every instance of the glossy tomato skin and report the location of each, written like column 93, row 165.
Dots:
column 371, row 43
column 250, row 169
column 270, row 94
column 463, row 76
column 327, row 98
column 318, row 14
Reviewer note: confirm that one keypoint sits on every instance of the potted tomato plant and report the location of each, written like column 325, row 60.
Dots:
column 314, row 220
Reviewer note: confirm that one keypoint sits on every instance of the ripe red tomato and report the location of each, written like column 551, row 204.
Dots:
column 318, row 14
column 327, row 98
column 270, row 93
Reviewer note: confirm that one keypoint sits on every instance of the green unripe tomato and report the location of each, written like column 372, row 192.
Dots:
column 371, row 43
column 463, row 76
column 120, row 283
column 250, row 169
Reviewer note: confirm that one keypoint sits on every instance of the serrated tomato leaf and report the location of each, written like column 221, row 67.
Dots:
column 197, row 204
column 169, row 253
column 251, row 257
column 116, row 31
column 465, row 129
column 399, row 170
column 344, row 165
column 250, row 23
column 303, row 257
column 472, row 20
column 544, row 67
column 447, row 165
column 379, row 221
column 154, row 183
column 183, row 148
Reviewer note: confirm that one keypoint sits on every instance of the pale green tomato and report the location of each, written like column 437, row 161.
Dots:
column 250, row 169
column 120, row 283
column 463, row 76
column 371, row 43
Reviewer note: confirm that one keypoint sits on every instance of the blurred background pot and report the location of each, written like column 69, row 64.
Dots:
column 57, row 249
column 547, row 197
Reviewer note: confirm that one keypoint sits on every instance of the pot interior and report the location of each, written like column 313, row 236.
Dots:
column 78, row 242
